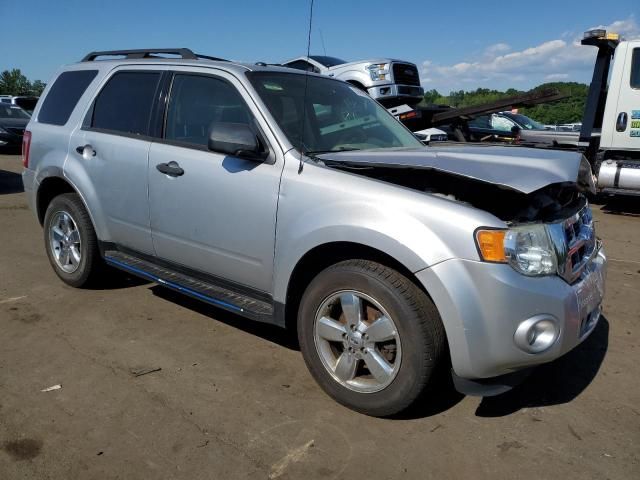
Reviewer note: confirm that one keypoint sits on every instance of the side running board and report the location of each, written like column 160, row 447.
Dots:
column 217, row 295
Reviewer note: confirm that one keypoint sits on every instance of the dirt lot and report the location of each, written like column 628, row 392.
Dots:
column 234, row 400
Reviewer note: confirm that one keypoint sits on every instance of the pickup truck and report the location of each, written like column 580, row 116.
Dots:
column 295, row 199
column 391, row 82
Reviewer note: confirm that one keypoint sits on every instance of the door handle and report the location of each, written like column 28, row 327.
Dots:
column 621, row 122
column 86, row 151
column 172, row 169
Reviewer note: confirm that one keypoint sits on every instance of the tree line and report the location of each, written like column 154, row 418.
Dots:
column 13, row 82
column 567, row 110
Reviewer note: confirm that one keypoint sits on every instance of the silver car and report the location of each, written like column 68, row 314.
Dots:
column 294, row 199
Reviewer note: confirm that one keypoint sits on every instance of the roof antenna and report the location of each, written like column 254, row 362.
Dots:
column 324, row 49
column 304, row 99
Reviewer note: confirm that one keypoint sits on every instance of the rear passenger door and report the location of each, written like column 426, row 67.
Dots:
column 219, row 216
column 112, row 148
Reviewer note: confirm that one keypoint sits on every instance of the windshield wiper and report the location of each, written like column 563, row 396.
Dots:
column 320, row 152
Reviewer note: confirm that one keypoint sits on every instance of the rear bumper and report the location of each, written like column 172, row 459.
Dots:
column 482, row 305
column 30, row 187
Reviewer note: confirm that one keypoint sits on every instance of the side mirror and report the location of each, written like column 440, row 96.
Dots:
column 237, row 139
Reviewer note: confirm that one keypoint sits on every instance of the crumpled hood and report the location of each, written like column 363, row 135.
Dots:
column 522, row 169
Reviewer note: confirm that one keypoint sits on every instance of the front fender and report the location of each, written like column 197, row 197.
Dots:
column 360, row 76
column 402, row 237
column 323, row 205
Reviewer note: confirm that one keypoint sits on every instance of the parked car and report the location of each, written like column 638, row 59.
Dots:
column 13, row 121
column 391, row 260
column 391, row 82
column 27, row 103
column 429, row 135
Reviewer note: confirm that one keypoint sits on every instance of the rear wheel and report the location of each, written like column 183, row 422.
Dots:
column 70, row 241
column 370, row 337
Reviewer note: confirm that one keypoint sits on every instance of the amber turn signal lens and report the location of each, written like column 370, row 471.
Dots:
column 491, row 245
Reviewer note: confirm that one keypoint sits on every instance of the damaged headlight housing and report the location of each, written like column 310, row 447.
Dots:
column 528, row 249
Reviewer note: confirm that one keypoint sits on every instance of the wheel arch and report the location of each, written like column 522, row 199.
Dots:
column 358, row 85
column 52, row 186
column 327, row 254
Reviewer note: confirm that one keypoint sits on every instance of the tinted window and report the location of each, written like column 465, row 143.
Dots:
column 302, row 65
column 124, row 104
column 64, row 95
column 483, row 121
column 328, row 61
column 635, row 68
column 9, row 111
column 196, row 102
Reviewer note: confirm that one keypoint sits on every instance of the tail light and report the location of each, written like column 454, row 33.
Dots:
column 26, row 145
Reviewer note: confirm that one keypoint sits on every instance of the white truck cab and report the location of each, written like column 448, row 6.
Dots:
column 621, row 122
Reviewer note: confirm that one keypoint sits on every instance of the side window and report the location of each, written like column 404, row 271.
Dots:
column 198, row 101
column 501, row 124
column 483, row 121
column 64, row 95
column 302, row 65
column 635, row 68
column 124, row 104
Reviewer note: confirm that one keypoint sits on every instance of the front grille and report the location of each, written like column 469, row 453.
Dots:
column 17, row 131
column 580, row 244
column 405, row 74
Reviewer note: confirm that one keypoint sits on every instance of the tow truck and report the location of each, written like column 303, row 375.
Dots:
column 610, row 133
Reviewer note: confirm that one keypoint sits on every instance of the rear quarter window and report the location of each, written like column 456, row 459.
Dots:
column 124, row 104
column 64, row 95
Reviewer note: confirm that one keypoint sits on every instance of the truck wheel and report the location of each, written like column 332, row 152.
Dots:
column 70, row 241
column 369, row 336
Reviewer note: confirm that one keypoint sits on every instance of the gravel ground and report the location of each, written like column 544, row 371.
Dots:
column 233, row 399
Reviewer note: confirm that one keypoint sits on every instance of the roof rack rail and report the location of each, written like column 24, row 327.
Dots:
column 184, row 53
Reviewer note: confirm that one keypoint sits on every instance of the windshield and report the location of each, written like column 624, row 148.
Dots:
column 338, row 116
column 327, row 61
column 11, row 111
column 526, row 122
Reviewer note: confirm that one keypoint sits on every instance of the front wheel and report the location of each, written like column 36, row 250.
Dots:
column 369, row 336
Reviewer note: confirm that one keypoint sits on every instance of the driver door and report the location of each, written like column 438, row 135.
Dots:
column 217, row 217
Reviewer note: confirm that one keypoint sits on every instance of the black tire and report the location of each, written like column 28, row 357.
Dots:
column 91, row 264
column 416, row 318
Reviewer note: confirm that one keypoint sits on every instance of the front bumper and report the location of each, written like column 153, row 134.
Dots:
column 482, row 305
column 393, row 90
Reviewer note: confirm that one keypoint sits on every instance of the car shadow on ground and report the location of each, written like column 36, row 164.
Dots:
column 271, row 333
column 114, row 279
column 621, row 206
column 554, row 383
column 440, row 397
column 10, row 182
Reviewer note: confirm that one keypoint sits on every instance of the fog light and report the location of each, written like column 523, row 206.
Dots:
column 537, row 334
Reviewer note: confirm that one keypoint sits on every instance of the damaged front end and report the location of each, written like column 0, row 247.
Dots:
column 515, row 185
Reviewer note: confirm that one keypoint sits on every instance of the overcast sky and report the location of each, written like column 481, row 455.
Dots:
column 457, row 45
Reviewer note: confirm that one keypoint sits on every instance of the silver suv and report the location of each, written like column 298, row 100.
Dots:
column 294, row 199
